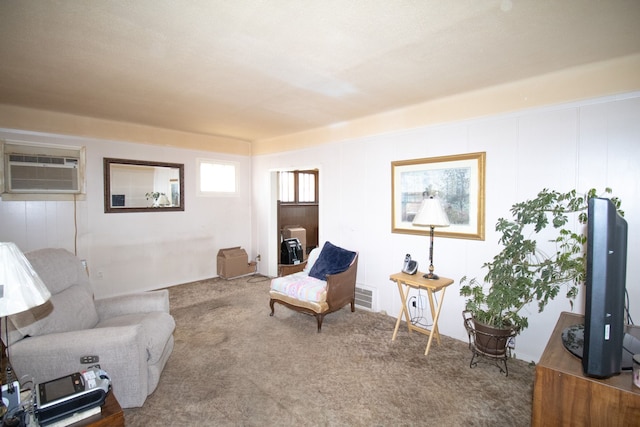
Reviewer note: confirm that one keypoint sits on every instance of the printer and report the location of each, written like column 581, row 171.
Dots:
column 291, row 252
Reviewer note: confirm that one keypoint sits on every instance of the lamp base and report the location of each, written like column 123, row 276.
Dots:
column 430, row 276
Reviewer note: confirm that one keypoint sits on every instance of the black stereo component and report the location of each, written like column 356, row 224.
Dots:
column 77, row 392
column 291, row 252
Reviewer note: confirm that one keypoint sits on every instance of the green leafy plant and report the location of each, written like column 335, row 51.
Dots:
column 155, row 195
column 521, row 272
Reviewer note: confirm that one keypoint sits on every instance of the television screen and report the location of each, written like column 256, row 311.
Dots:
column 604, row 328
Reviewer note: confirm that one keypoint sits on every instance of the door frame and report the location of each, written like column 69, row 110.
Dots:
column 272, row 233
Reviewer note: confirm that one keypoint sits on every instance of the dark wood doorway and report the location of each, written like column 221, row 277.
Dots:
column 295, row 210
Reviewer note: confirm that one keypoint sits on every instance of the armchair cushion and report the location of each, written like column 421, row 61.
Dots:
column 157, row 328
column 140, row 302
column 332, row 260
column 311, row 259
column 301, row 287
column 60, row 268
column 70, row 310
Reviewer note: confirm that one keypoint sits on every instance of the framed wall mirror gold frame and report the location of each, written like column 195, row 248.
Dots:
column 142, row 186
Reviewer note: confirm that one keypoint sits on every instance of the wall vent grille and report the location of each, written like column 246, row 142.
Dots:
column 42, row 174
column 364, row 297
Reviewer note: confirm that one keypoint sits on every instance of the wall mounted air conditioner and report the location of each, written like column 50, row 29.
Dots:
column 41, row 171
column 42, row 174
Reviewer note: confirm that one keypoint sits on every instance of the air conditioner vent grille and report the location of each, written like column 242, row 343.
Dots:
column 44, row 174
column 364, row 297
column 43, row 160
column 46, row 179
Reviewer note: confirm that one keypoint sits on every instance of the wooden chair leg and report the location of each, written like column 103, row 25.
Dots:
column 271, row 303
column 319, row 318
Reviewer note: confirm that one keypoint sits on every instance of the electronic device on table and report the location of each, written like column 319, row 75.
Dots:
column 410, row 266
column 11, row 395
column 62, row 397
column 603, row 342
column 291, row 251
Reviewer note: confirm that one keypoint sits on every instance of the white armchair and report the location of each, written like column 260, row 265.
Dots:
column 132, row 335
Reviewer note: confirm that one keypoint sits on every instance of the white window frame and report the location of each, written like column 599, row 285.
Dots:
column 216, row 193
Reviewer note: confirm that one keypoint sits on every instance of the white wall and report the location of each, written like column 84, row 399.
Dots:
column 129, row 252
column 581, row 145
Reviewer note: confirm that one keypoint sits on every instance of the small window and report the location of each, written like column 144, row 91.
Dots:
column 216, row 177
column 298, row 186
column 287, row 181
column 306, row 187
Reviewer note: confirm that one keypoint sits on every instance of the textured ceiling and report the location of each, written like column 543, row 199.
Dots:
column 253, row 70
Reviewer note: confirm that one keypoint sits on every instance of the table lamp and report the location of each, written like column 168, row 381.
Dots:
column 20, row 290
column 163, row 200
column 432, row 215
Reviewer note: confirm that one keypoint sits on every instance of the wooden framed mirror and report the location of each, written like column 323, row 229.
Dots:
column 142, row 186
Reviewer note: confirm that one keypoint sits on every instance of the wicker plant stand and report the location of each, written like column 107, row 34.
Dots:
column 487, row 343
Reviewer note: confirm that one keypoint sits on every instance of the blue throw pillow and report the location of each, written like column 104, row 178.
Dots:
column 332, row 260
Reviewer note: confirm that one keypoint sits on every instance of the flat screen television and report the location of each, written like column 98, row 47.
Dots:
column 604, row 314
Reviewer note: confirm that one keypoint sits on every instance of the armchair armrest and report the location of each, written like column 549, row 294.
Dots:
column 141, row 302
column 50, row 356
column 341, row 287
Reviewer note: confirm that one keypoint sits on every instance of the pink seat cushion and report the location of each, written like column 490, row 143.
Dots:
column 301, row 287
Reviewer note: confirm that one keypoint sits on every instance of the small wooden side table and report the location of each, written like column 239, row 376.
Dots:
column 110, row 416
column 406, row 281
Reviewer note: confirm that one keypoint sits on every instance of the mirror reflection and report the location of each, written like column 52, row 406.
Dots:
column 142, row 186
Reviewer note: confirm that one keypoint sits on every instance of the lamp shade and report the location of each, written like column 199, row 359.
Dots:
column 431, row 214
column 20, row 286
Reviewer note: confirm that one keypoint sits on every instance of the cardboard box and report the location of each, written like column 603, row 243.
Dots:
column 234, row 262
column 296, row 232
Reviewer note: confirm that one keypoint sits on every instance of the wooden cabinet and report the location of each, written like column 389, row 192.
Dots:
column 287, row 269
column 564, row 396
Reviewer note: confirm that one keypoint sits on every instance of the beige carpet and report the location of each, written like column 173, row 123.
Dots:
column 234, row 365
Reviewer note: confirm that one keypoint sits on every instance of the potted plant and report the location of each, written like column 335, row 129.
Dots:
column 522, row 272
column 156, row 196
